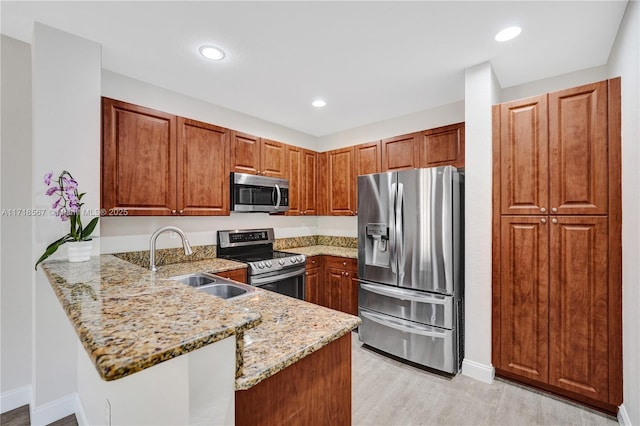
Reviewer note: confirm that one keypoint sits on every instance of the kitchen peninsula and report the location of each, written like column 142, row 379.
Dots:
column 190, row 351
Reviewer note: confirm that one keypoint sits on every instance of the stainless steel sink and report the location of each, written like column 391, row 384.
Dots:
column 215, row 285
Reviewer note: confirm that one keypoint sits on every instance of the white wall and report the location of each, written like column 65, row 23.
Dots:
column 553, row 84
column 16, row 235
column 624, row 62
column 421, row 120
column 66, row 135
column 481, row 92
column 127, row 89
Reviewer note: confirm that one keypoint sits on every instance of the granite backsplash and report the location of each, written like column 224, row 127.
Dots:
column 176, row 255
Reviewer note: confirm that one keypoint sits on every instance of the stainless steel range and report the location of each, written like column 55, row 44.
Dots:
column 269, row 269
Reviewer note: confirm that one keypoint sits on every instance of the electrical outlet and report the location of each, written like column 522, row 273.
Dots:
column 107, row 412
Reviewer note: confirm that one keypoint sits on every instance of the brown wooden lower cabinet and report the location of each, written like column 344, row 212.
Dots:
column 316, row 390
column 553, row 306
column 331, row 281
column 239, row 275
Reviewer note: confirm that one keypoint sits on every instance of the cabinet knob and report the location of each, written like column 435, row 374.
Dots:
column 553, row 210
column 542, row 209
column 313, row 262
column 181, row 211
column 344, row 263
column 173, row 212
column 543, row 220
column 554, row 220
column 306, row 273
column 346, row 274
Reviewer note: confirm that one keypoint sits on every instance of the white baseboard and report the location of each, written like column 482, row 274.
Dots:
column 623, row 416
column 54, row 410
column 10, row 400
column 81, row 416
column 481, row 372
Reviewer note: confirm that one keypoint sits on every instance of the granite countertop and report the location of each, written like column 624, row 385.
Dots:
column 129, row 318
column 320, row 250
column 290, row 330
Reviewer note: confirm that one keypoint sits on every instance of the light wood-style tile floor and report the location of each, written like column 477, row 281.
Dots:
column 387, row 392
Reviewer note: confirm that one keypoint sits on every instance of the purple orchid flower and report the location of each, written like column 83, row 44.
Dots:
column 52, row 190
column 47, row 178
column 55, row 204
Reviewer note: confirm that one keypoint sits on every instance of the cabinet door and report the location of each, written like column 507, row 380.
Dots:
column 313, row 286
column 138, row 159
column 578, row 310
column 578, row 144
column 400, row 152
column 443, row 146
column 524, row 296
column 342, row 184
column 203, row 181
column 368, row 158
column 245, row 153
column 524, row 156
column 309, row 176
column 272, row 158
column 333, row 284
column 295, row 163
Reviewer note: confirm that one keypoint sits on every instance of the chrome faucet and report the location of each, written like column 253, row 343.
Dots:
column 152, row 244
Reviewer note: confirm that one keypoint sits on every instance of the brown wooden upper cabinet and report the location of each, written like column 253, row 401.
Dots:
column 257, row 156
column 400, row 152
column 337, row 187
column 302, row 169
column 554, row 153
column 368, row 157
column 157, row 164
column 443, row 146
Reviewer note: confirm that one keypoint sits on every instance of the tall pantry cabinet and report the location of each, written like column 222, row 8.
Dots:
column 557, row 315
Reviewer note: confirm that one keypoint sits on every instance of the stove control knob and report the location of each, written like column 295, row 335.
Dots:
column 269, row 264
column 300, row 258
column 292, row 259
column 281, row 262
column 261, row 265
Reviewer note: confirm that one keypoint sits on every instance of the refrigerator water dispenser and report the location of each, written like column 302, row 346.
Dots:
column 377, row 245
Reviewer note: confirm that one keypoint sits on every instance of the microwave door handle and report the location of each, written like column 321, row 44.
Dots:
column 279, row 197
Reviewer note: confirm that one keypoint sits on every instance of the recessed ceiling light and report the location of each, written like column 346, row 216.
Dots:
column 318, row 103
column 212, row 52
column 508, row 34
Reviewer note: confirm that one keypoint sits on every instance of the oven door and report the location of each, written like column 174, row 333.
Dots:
column 290, row 282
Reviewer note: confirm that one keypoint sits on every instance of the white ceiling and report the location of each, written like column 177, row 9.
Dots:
column 369, row 60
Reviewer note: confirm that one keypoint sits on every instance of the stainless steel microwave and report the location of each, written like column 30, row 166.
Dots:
column 251, row 193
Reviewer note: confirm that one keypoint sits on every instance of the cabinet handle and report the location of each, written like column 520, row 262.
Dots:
column 553, row 210
column 542, row 209
column 173, row 212
column 543, row 220
column 554, row 220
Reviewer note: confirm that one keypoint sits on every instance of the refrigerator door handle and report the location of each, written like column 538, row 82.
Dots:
column 392, row 237
column 400, row 232
column 403, row 294
column 404, row 326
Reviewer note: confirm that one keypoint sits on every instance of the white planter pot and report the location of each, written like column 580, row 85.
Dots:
column 79, row 251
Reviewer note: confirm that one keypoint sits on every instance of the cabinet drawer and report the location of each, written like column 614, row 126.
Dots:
column 315, row 261
column 341, row 263
column 426, row 308
column 430, row 346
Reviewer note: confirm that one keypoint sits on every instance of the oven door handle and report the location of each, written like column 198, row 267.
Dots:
column 257, row 281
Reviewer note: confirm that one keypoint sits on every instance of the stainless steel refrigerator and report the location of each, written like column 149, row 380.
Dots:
column 410, row 265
